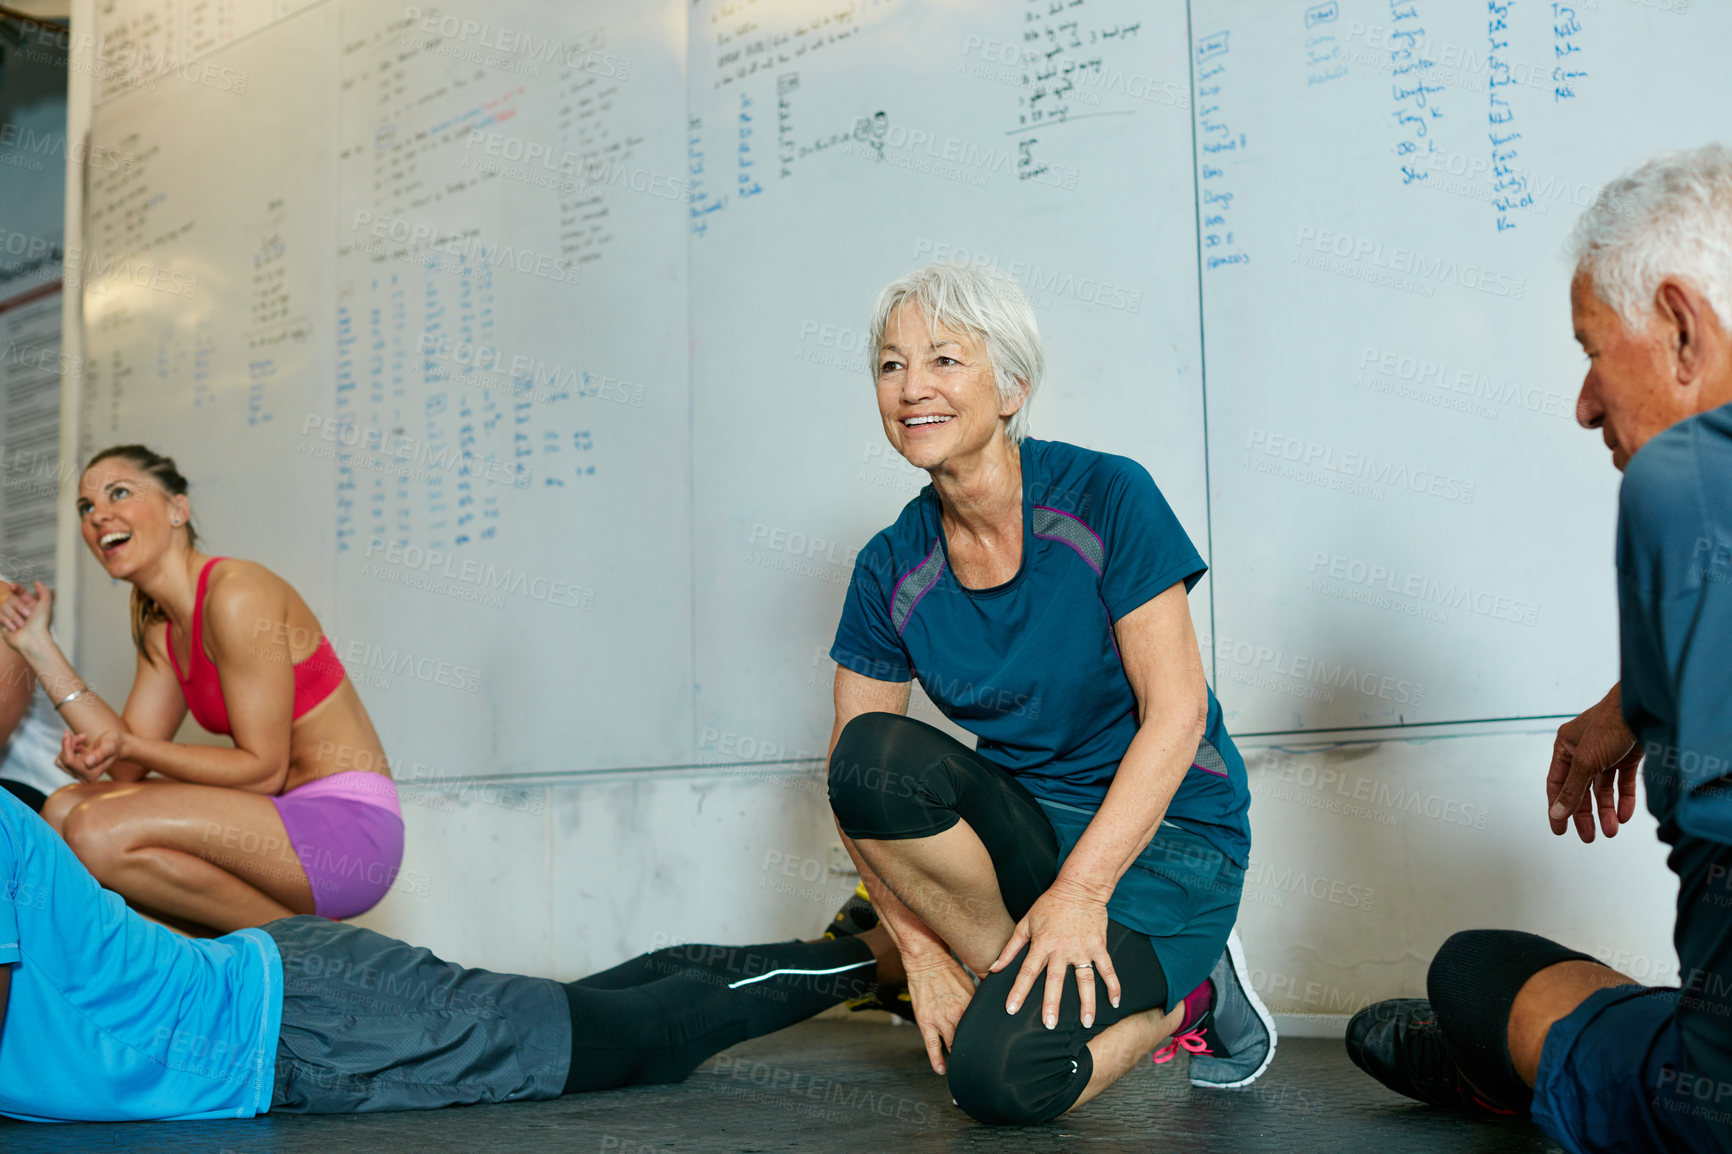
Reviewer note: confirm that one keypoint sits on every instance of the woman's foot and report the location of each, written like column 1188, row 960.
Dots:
column 1237, row 1031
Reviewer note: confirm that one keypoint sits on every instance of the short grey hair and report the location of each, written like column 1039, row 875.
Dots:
column 1670, row 217
column 984, row 302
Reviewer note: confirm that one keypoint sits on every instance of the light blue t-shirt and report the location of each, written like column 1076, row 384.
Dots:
column 114, row 1018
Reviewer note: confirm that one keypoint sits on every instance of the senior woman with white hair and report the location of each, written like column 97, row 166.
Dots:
column 1098, row 834
column 1516, row 1023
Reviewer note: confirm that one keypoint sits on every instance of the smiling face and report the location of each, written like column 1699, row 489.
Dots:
column 1631, row 391
column 125, row 516
column 936, row 392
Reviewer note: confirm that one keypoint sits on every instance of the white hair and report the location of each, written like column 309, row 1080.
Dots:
column 987, row 304
column 1670, row 217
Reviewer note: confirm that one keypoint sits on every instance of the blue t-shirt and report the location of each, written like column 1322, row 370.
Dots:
column 1031, row 667
column 115, row 1018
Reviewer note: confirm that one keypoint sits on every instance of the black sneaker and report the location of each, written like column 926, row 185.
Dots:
column 856, row 917
column 1398, row 1042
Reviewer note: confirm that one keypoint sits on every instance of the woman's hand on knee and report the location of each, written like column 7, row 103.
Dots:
column 940, row 990
column 1062, row 930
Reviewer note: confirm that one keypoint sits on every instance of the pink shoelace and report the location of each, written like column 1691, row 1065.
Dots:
column 1191, row 1040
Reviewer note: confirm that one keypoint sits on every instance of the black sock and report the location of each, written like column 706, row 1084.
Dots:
column 1473, row 983
column 658, row 1017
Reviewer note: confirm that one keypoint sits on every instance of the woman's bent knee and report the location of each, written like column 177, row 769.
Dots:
column 91, row 837
column 62, row 802
column 1010, row 1070
column 875, row 787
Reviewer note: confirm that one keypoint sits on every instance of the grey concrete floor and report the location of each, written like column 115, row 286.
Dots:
column 841, row 1085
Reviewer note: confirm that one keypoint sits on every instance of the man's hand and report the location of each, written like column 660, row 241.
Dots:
column 1596, row 749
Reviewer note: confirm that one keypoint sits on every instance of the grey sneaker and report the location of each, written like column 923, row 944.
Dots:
column 1238, row 1031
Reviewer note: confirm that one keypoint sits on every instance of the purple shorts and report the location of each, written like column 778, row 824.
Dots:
column 347, row 832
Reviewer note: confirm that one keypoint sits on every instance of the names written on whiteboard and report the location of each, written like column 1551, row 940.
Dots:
column 587, row 114
column 1324, row 59
column 703, row 201
column 1415, row 100
column 1218, row 149
column 1566, row 27
column 746, row 151
column 1509, row 184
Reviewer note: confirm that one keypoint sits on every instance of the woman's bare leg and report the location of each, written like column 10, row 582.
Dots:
column 190, row 853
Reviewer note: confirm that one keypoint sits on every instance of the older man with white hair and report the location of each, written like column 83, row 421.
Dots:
column 1516, row 1023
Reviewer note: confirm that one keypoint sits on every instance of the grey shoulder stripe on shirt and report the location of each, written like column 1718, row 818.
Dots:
column 915, row 584
column 1056, row 526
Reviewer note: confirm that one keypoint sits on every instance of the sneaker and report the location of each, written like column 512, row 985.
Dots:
column 856, row 917
column 1234, row 1040
column 1398, row 1042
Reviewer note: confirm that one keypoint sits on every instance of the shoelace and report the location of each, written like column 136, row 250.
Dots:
column 1192, row 1041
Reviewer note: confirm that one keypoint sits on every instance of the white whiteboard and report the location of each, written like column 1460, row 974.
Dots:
column 510, row 329
column 1053, row 146
column 1409, row 526
column 528, row 339
column 206, row 283
column 454, row 486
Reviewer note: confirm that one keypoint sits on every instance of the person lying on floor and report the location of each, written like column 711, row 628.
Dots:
column 107, row 1016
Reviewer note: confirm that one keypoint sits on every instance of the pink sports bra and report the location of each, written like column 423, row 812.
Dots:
column 316, row 677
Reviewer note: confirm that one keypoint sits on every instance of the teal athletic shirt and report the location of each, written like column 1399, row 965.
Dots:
column 1675, row 633
column 1675, row 621
column 1031, row 667
column 114, row 1018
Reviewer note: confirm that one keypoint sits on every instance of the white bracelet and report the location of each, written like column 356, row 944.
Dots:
column 71, row 697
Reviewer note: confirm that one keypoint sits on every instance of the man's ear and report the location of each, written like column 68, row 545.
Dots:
column 1687, row 318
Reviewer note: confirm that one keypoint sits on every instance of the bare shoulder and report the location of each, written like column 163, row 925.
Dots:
column 156, row 643
column 243, row 596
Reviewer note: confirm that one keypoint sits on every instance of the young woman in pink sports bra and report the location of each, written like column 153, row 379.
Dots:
column 299, row 817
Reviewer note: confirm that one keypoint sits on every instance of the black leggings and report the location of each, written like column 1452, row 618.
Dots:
column 891, row 779
column 657, row 1017
column 29, row 795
